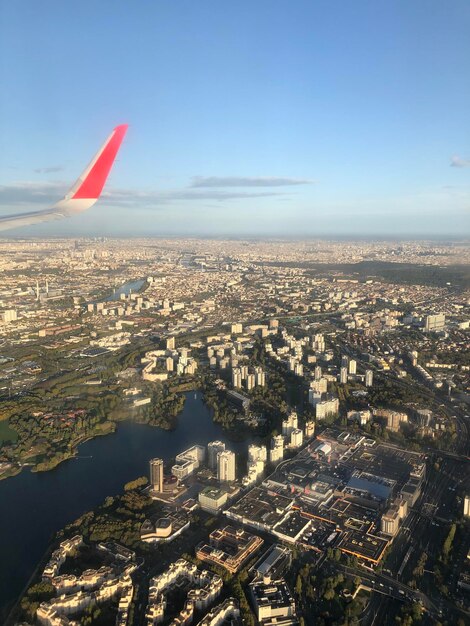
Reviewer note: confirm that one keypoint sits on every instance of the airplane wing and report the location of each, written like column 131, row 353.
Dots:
column 83, row 194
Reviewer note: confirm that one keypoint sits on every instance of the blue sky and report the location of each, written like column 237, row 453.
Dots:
column 275, row 117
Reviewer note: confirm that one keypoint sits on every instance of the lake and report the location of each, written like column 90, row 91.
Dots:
column 34, row 506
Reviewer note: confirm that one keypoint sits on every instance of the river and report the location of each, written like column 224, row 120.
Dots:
column 133, row 285
column 33, row 506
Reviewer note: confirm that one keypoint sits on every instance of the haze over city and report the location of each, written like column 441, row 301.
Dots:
column 235, row 313
column 265, row 118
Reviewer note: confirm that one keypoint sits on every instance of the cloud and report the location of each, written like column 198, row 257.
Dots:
column 246, row 181
column 457, row 161
column 128, row 196
column 49, row 170
column 27, row 193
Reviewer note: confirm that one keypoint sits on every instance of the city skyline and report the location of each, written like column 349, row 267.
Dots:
column 268, row 120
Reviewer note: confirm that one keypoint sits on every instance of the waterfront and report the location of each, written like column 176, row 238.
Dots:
column 36, row 505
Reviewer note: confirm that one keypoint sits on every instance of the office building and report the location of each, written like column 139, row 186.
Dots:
column 272, row 601
column 226, row 466
column 156, row 475
column 212, row 499
column 390, row 522
column 194, row 453
column 229, row 548
column 188, row 461
column 238, row 400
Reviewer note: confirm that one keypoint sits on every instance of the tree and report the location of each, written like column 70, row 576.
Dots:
column 135, row 484
column 448, row 542
column 329, row 594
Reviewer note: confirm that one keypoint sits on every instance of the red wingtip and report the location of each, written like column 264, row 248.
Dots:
column 95, row 179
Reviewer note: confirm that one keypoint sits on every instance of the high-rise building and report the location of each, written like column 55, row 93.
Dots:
column 433, row 323
column 362, row 417
column 343, row 375
column 226, row 466
column 260, row 376
column 309, row 429
column 170, row 343
column 156, row 475
column 320, row 386
column 327, row 408
column 276, row 452
column 257, row 453
column 318, row 372
column 318, row 343
column 290, row 424
column 213, row 449
column 344, row 361
column 236, row 377
column 296, row 438
column 314, row 397
column 250, row 381
column 466, row 506
column 244, row 371
column 389, row 524
column 369, row 378
column 236, row 329
column 299, row 369
column 352, row 366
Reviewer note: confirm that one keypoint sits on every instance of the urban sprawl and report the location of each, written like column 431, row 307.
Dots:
column 340, row 374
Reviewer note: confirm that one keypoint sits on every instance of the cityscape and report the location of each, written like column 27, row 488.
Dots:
column 235, row 313
column 336, row 487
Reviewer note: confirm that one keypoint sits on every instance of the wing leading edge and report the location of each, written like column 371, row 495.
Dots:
column 84, row 193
